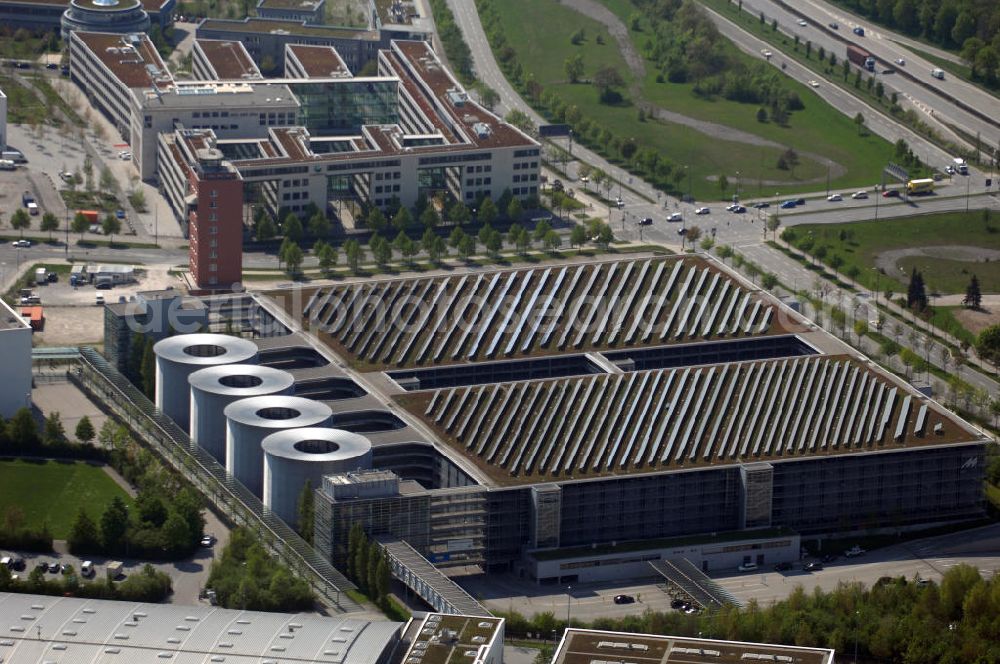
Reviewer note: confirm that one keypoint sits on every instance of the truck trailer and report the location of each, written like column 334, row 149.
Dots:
column 860, row 57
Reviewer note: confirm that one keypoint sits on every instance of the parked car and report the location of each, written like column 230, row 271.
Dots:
column 119, row 213
column 675, row 216
column 677, row 603
column 624, row 599
column 747, row 567
column 52, row 277
column 646, row 221
column 762, row 205
column 833, row 198
column 208, row 540
column 125, row 155
column 800, row 201
column 787, row 205
column 42, row 565
column 813, row 566
column 54, row 568
column 854, row 552
column 782, row 567
column 87, row 569
column 702, row 210
column 682, row 231
column 803, row 23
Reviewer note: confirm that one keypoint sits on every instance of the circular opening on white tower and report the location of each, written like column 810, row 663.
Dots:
column 316, row 446
column 274, row 413
column 240, row 381
column 205, row 350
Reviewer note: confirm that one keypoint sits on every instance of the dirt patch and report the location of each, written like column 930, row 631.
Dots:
column 976, row 321
column 888, row 260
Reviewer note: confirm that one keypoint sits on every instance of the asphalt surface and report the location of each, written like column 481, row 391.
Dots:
column 887, row 46
column 927, row 559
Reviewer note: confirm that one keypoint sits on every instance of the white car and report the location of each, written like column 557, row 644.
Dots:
column 21, row 244
column 833, row 198
column 901, row 62
column 813, row 83
column 803, row 22
column 620, row 203
column 766, row 53
column 859, row 195
column 747, row 567
column 125, row 155
column 702, row 210
column 676, row 216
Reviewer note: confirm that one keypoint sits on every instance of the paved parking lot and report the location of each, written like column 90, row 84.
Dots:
column 187, row 576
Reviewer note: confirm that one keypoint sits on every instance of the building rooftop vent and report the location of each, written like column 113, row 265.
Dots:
column 458, row 97
column 482, row 130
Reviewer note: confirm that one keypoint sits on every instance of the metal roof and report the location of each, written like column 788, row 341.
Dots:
column 35, row 628
column 682, row 573
column 443, row 589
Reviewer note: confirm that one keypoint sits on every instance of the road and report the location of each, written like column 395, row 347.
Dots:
column 929, row 558
column 924, row 93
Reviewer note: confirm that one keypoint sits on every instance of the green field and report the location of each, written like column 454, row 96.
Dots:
column 860, row 243
column 52, row 492
column 539, row 32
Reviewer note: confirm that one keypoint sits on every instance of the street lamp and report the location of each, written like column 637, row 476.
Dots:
column 569, row 596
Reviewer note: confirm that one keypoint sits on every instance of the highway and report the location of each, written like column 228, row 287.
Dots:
column 922, row 94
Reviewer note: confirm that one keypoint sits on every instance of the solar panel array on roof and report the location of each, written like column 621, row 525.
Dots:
column 442, row 320
column 650, row 420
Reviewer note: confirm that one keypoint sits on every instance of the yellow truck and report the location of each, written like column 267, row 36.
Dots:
column 924, row 186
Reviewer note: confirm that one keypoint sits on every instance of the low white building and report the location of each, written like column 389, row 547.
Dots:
column 15, row 370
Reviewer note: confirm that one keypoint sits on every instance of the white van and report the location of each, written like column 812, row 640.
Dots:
column 960, row 166
column 938, row 74
column 87, row 569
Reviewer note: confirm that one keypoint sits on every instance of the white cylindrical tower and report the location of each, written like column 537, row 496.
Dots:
column 294, row 456
column 178, row 357
column 214, row 388
column 250, row 421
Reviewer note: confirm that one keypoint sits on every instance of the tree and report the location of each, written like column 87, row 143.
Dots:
column 20, row 220
column 406, row 247
column 973, row 296
column 455, row 239
column 514, row 210
column 327, row 256
column 430, row 244
column 148, row 371
column 551, row 241
column 376, row 220
column 467, row 247
column 22, row 430
column 265, row 228
column 85, row 430
column 769, row 280
column 114, row 524
column 542, row 229
column 860, row 328
column 488, row 96
column 402, row 219
column 859, row 120
column 519, row 237
column 291, row 228
column 459, row 213
column 88, row 173
column 578, row 236
column 607, row 80
column 381, row 249
column 354, row 254
column 429, row 217
column 176, row 534
column 80, row 224
column 574, row 68
column 693, row 233
column 916, row 293
column 319, row 225
column 773, row 222
column 723, row 182
column 293, row 259
column 487, row 211
column 355, row 539
column 111, row 227
column 54, row 432
column 761, row 114
column 306, row 512
column 108, row 182
column 791, row 159
column 49, row 223
column 988, row 344
column 83, row 536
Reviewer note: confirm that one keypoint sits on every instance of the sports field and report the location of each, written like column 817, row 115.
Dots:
column 52, row 492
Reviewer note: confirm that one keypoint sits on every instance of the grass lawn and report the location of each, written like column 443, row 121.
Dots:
column 860, row 243
column 52, row 492
column 540, row 34
column 23, row 105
